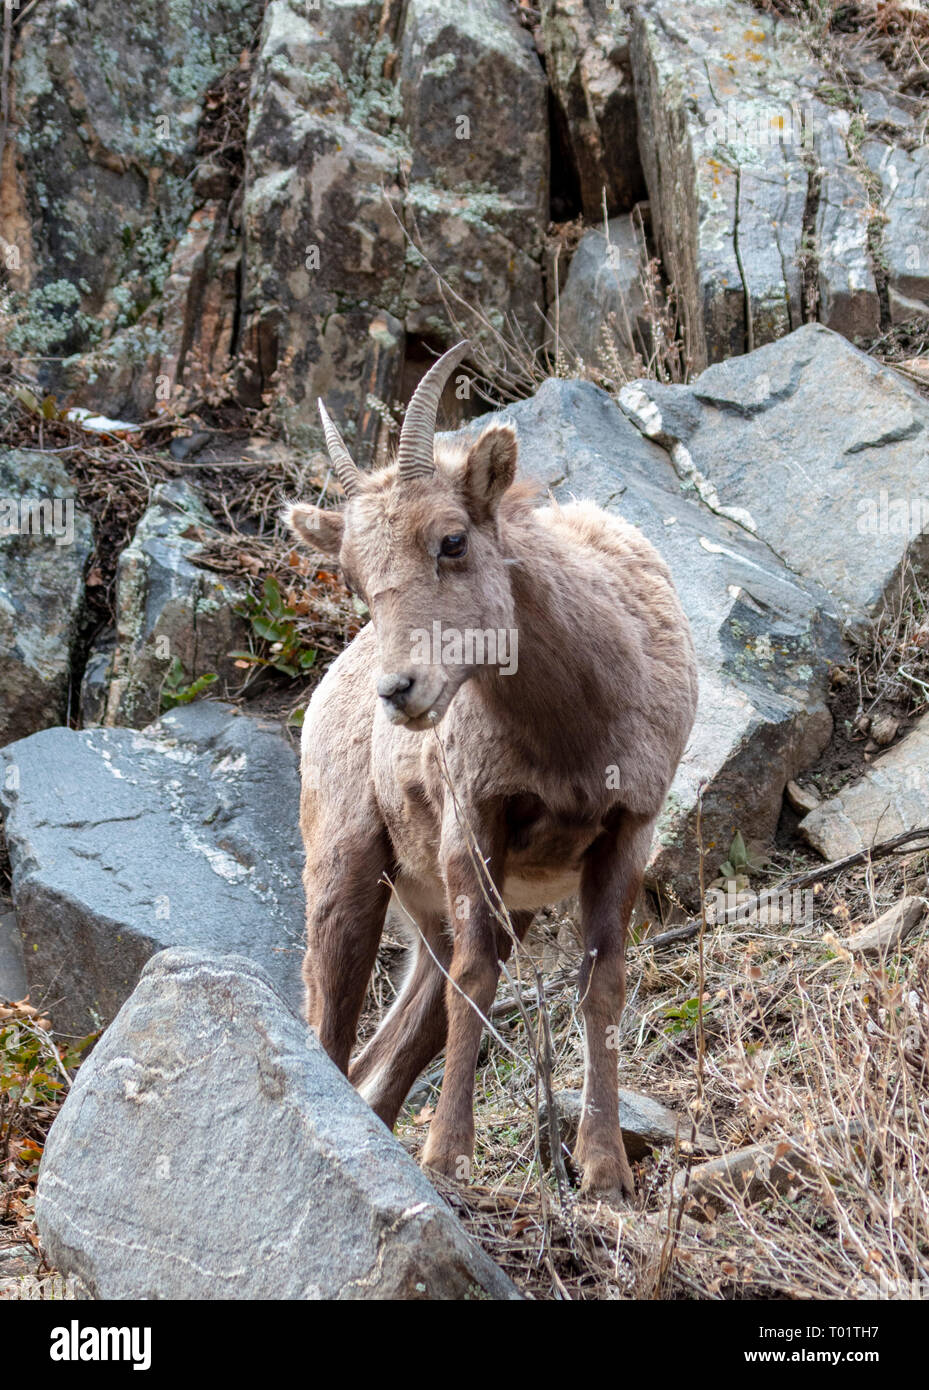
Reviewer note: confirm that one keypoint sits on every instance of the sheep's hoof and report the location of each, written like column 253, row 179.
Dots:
column 448, row 1160
column 608, row 1178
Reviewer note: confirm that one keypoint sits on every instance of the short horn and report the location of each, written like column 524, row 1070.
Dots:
column 342, row 461
column 415, row 456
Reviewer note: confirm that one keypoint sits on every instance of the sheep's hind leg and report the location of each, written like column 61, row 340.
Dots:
column 346, row 896
column 413, row 1032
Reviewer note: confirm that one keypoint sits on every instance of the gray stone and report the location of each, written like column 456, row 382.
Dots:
column 904, row 183
column 586, row 48
column 209, row 1149
column 473, row 64
column 645, row 1122
column 95, row 682
column 45, row 540
column 168, row 609
column 603, row 296
column 838, row 493
column 891, row 797
column 123, row 843
column 12, row 968
column 750, row 177
column 764, row 639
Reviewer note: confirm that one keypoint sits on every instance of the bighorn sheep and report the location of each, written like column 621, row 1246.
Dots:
column 559, row 767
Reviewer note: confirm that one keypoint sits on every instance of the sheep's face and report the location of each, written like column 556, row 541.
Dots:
column 424, row 555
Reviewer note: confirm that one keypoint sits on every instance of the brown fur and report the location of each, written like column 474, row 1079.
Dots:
column 559, row 769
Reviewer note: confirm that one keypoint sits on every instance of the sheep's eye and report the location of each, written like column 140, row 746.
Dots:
column 454, row 546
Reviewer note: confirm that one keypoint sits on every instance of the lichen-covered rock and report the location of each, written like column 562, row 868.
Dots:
column 169, row 610
column 123, row 843
column 205, row 1080
column 586, row 49
column 600, row 311
column 764, row 638
column 108, row 101
column 751, row 176
column 890, row 798
column 45, row 540
column 374, row 165
column 815, row 448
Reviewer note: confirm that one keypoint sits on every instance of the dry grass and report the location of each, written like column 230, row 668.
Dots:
column 804, row 1046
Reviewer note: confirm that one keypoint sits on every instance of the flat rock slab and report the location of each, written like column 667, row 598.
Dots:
column 44, row 543
column 891, row 797
column 812, row 446
column 209, row 1149
column 123, row 843
column 764, row 638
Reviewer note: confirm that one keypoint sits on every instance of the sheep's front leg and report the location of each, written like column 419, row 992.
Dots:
column 610, row 880
column 479, row 945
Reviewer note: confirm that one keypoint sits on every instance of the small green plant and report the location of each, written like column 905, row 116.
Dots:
column 738, row 865
column 275, row 623
column 681, row 1017
column 175, row 692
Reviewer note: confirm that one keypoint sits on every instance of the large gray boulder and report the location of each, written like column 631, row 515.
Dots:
column 209, row 1149
column 816, row 448
column 760, row 203
column 168, row 609
column 45, row 540
column 124, row 843
column 764, row 638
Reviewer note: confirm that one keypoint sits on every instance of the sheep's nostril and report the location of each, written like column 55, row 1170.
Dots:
column 395, row 688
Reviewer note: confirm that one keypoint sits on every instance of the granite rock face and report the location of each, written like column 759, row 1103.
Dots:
column 586, row 48
column 761, row 205
column 100, row 184
column 204, row 1086
column 376, row 159
column 124, row 843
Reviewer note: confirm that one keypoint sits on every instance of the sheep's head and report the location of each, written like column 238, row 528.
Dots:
column 419, row 542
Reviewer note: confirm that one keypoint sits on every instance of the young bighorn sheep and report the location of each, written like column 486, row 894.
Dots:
column 559, row 767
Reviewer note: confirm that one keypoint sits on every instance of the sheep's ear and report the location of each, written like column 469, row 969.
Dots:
column 489, row 469
column 318, row 527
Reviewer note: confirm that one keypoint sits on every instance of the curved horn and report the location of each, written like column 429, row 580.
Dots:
column 414, row 455
column 342, row 461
